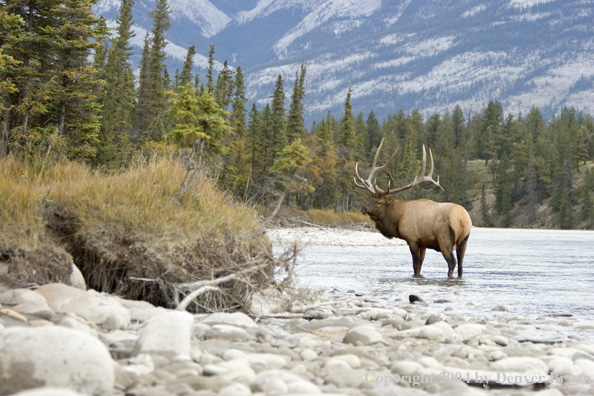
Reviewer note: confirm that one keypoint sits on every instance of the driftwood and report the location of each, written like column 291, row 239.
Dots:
column 196, row 289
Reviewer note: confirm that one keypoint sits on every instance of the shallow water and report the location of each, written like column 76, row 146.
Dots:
column 531, row 273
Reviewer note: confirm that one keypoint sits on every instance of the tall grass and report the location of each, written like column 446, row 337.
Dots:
column 139, row 199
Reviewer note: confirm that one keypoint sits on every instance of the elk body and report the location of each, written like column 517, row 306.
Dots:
column 422, row 223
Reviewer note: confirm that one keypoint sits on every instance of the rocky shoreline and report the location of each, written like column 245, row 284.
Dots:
column 59, row 340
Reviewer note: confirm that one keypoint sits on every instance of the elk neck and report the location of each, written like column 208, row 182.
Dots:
column 388, row 224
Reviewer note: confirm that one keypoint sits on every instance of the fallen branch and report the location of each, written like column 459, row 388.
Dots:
column 196, row 285
column 190, row 297
column 201, row 287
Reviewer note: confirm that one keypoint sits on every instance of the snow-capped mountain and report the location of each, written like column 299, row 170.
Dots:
column 394, row 54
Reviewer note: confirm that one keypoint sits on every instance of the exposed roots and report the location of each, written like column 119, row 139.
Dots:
column 201, row 275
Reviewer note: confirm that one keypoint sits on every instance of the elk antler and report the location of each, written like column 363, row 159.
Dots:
column 421, row 177
column 367, row 184
column 374, row 189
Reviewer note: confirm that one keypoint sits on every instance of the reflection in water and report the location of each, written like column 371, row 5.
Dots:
column 530, row 272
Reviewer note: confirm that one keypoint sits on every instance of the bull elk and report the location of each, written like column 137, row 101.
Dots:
column 422, row 223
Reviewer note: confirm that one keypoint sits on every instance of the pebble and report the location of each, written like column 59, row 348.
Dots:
column 169, row 332
column 342, row 345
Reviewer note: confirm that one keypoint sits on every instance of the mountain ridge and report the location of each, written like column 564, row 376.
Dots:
column 429, row 55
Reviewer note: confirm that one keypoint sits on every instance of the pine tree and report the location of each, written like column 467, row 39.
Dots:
column 186, row 77
column 25, row 46
column 348, row 149
column 54, row 85
column 152, row 100
column 141, row 121
column 295, row 122
column 256, row 149
column 237, row 162
column 347, row 139
column 10, row 30
column 71, row 81
column 278, row 120
column 198, row 118
column 326, row 161
column 210, row 72
column 459, row 127
column 292, row 159
column 485, row 216
column 224, row 87
column 373, row 135
column 119, row 94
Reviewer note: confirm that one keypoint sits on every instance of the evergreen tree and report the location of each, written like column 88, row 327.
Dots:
column 154, row 84
column 141, row 122
column 373, row 134
column 348, row 153
column 256, row 149
column 10, row 30
column 71, row 82
column 503, row 192
column 210, row 72
column 326, row 161
column 186, row 77
column 587, row 208
column 198, row 118
column 54, row 86
column 224, row 87
column 531, row 190
column 485, row 216
column 295, row 122
column 347, row 139
column 237, row 162
column 459, row 127
column 25, row 46
column 119, row 94
column 278, row 120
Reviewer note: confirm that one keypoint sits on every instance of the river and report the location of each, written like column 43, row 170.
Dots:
column 529, row 272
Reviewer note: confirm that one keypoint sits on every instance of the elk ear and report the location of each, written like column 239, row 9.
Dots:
column 388, row 199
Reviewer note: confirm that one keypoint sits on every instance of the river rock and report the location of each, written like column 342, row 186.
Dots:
column 275, row 382
column 237, row 319
column 235, row 390
column 406, row 367
column 77, row 323
column 363, row 335
column 141, row 311
column 55, row 357
column 266, row 361
column 520, row 371
column 77, row 279
column 48, row 392
column 469, row 330
column 39, row 309
column 20, row 296
column 227, row 332
column 562, row 366
column 100, row 309
column 169, row 333
column 587, row 367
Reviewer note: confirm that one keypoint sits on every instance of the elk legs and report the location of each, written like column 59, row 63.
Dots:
column 418, row 255
column 460, row 250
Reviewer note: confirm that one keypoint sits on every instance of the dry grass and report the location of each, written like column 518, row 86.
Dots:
column 139, row 198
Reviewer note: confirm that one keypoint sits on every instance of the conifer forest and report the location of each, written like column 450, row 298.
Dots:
column 69, row 93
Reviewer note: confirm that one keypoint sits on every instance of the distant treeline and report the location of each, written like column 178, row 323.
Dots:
column 69, row 92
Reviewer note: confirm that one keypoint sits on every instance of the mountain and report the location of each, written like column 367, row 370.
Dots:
column 429, row 55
